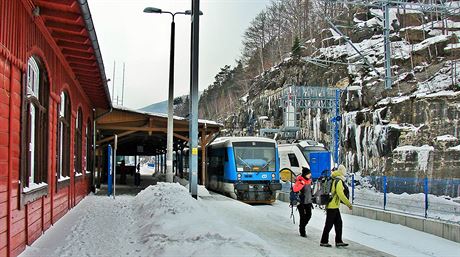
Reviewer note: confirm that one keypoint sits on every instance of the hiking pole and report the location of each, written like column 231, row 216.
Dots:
column 292, row 207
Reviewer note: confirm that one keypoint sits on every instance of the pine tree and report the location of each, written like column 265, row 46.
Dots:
column 296, row 48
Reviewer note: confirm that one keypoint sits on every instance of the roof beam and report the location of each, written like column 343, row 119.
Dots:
column 73, row 45
column 78, row 54
column 82, row 66
column 66, row 5
column 57, row 14
column 113, row 137
column 181, row 137
column 70, row 37
column 65, row 27
column 77, row 60
column 148, row 129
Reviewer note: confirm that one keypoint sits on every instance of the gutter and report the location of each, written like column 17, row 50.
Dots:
column 84, row 7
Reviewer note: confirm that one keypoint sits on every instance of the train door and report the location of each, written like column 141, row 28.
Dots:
column 319, row 162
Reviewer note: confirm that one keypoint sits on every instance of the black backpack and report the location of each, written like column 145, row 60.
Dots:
column 346, row 191
column 322, row 191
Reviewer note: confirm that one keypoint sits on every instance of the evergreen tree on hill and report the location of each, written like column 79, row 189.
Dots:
column 296, row 48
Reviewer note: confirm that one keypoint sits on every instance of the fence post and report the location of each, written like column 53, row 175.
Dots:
column 384, row 192
column 352, row 188
column 426, row 197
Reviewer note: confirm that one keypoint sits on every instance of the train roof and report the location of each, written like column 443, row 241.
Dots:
column 242, row 139
column 304, row 143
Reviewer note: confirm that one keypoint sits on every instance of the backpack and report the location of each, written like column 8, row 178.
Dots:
column 322, row 190
column 346, row 190
column 294, row 198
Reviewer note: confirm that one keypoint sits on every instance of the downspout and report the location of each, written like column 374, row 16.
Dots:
column 10, row 163
column 93, row 180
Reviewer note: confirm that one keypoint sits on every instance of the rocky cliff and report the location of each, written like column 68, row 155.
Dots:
column 410, row 130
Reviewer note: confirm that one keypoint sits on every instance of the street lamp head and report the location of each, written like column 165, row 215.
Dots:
column 152, row 10
column 189, row 12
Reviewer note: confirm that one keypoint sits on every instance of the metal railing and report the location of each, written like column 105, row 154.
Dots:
column 426, row 197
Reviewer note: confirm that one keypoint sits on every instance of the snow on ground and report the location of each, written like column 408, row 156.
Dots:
column 439, row 207
column 164, row 220
column 147, row 170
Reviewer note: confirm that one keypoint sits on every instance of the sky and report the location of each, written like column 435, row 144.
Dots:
column 164, row 220
column 142, row 42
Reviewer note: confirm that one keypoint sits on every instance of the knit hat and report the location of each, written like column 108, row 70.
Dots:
column 341, row 170
column 305, row 171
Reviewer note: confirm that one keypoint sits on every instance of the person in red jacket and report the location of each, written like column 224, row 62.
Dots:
column 303, row 185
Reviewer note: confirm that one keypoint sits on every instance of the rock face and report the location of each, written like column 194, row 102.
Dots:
column 404, row 139
column 409, row 131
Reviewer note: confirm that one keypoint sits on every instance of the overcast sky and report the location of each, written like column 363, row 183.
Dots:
column 142, row 41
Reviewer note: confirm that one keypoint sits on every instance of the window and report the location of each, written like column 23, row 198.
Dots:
column 77, row 153
column 293, row 160
column 34, row 130
column 63, row 142
column 254, row 156
column 89, row 146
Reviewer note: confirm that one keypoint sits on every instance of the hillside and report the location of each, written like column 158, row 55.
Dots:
column 408, row 131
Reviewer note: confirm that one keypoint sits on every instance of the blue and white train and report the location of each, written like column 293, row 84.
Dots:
column 244, row 168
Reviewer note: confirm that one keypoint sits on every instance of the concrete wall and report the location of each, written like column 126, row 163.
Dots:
column 442, row 229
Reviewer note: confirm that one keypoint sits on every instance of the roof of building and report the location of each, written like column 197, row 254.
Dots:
column 136, row 128
column 70, row 24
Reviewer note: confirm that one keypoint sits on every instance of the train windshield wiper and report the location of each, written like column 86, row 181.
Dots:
column 245, row 163
column 270, row 161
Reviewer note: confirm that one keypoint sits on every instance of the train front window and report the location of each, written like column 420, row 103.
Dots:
column 254, row 156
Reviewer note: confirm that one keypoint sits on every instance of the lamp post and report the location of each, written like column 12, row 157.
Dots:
column 169, row 156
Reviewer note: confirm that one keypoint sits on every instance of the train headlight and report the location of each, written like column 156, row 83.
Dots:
column 238, row 176
column 273, row 175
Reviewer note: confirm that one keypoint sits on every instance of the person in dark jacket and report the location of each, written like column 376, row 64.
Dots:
column 303, row 185
column 333, row 217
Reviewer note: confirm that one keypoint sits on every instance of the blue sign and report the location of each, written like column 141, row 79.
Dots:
column 109, row 170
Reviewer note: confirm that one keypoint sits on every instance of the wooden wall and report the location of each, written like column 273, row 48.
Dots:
column 21, row 36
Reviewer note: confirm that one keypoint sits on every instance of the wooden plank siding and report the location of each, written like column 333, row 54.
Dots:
column 23, row 35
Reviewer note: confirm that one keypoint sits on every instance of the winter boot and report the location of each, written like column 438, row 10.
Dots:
column 302, row 232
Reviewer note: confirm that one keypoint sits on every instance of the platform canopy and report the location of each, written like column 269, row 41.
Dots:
column 144, row 133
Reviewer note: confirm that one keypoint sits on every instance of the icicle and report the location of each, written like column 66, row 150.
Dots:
column 358, row 143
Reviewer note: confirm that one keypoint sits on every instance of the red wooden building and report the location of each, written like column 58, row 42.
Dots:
column 52, row 81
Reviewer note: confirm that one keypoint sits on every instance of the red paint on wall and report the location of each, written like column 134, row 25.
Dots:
column 21, row 36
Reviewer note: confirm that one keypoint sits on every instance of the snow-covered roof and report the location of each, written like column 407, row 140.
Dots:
column 163, row 115
column 244, row 139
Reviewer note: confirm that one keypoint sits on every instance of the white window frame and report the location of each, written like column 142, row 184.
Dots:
column 33, row 89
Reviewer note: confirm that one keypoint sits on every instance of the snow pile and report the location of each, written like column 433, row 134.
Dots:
column 216, row 226
column 169, row 199
column 446, row 138
column 455, row 148
column 172, row 223
column 423, row 153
